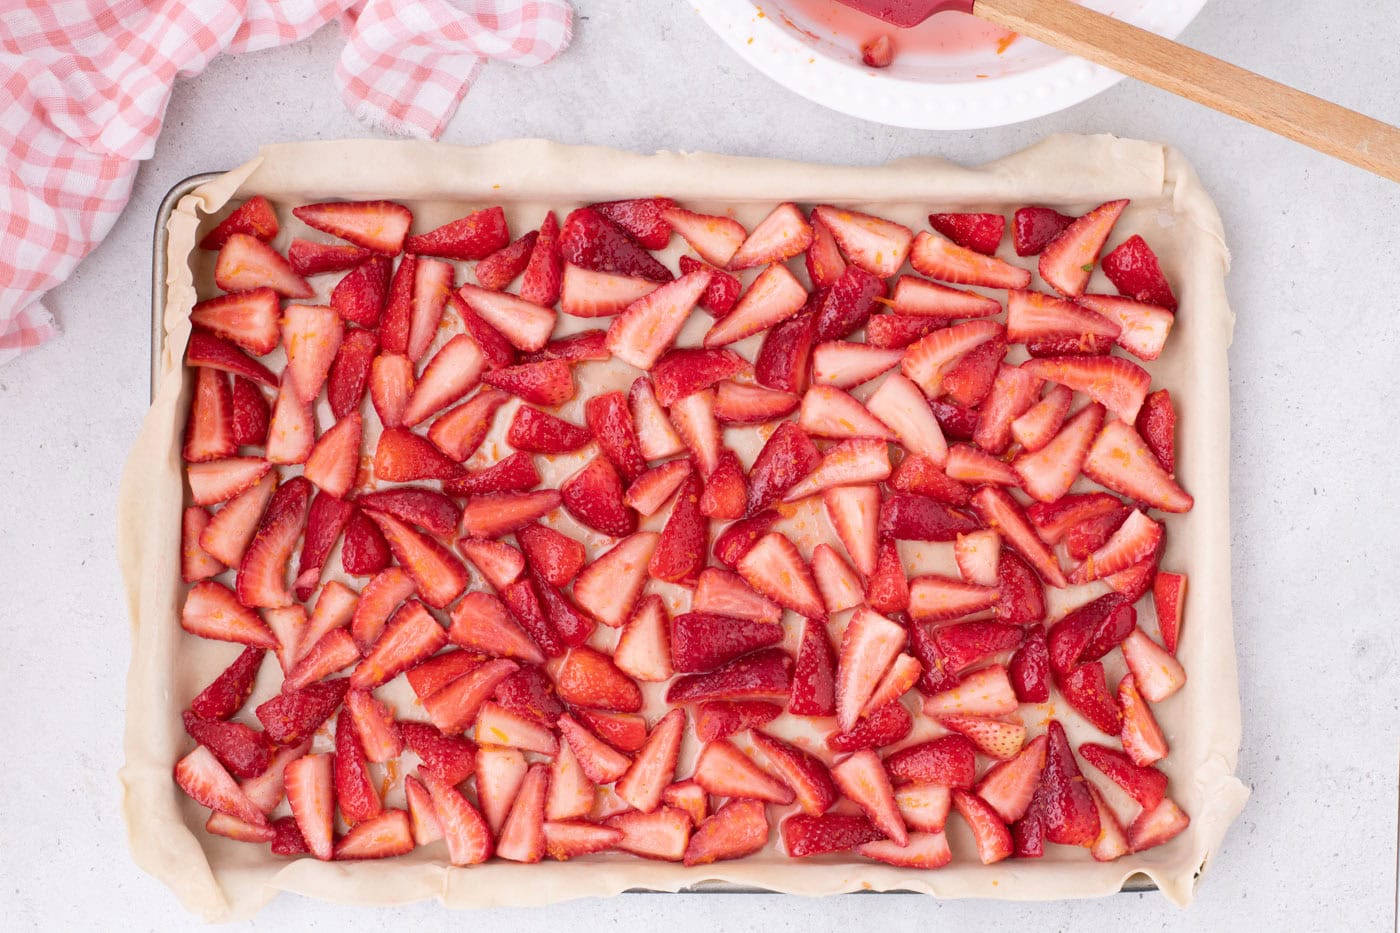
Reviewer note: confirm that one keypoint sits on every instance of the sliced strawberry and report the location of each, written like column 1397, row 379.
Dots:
column 977, row 555
column 702, row 641
column 438, row 575
column 655, row 764
column 240, row 749
column 335, row 458
column 499, row 563
column 573, row 626
column 529, row 692
column 525, row 606
column 246, row 263
column 814, row 674
column 448, row 758
column 1054, row 520
column 1034, row 227
column 1070, row 815
column 887, row 589
column 933, row 598
column 500, row 774
column 364, row 552
column 1112, row 842
column 1070, row 637
column 784, row 357
column 1168, row 598
column 262, row 572
column 740, row 403
column 333, row 652
column 586, row 293
column 655, row 436
column 847, row 303
column 855, row 513
column 463, row 701
column 411, row 635
column 200, row 775
column 423, row 819
column 1156, row 424
column 402, row 456
column 375, row 225
column 1156, row 673
column 226, row 694
column 611, row 423
column 723, row 291
column 983, row 692
column 1118, row 384
column 1030, row 668
column 583, row 346
column 1086, row 690
column 359, row 297
column 195, row 562
column 1137, row 539
column 354, row 790
column 1133, row 269
column 1034, row 429
column 422, row 507
column 609, row 587
column 845, row 365
column 1048, row 473
column 878, row 52
column 1037, row 316
column 782, row 234
column 590, row 240
column 992, row 836
column 566, row 839
column 786, row 457
column 290, row 718
column 1014, row 391
column 390, row 386
column 251, row 413
column 717, row 720
column 468, row 837
column 871, row 243
column 385, row 836
column 292, row 431
column 526, row 325
column 774, row 296
column 860, row 460
column 593, row 496
column 503, row 266
column 599, row 762
column 1069, row 345
column 863, row 779
column 887, row 725
column 995, row 738
column 556, row 556
column 829, row 412
column 694, row 420
column 453, row 372
column 926, row 362
column 680, row 552
column 231, row 827
column 957, row 421
column 310, row 258
column 924, row 850
column 549, row 383
column 970, row 379
column 1142, row 737
column 644, row 647
column 544, row 271
column 716, row 239
column 838, row 584
column 349, row 375
column 589, row 678
column 683, row 372
column 374, row 722
column 930, row 302
column 726, row 492
column 1001, row 513
column 430, row 676
column 495, row 348
column 922, row 477
column 254, row 217
column 762, row 675
column 725, row 771
column 941, row 259
column 774, row 568
column 662, row 834
column 496, row 725
column 688, row 797
column 868, row 646
column 907, row 517
column 896, row 331
column 514, row 474
column 1146, row 785
column 646, row 330
column 1157, row 826
column 1028, row 832
column 522, row 835
column 966, row 643
column 949, row 761
column 650, row 491
column 805, row 835
column 1143, row 328
column 737, row 829
column 979, row 232
column 249, row 319
column 534, row 431
column 1068, row 261
column 967, row 464
column 824, row 261
column 475, row 236
column 571, row 794
column 205, row 349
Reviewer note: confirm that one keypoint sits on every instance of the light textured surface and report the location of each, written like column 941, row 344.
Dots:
column 1316, row 272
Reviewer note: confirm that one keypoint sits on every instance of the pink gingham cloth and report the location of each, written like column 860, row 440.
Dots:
column 84, row 85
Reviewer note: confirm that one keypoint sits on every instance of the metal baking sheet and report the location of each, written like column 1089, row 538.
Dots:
column 1136, row 884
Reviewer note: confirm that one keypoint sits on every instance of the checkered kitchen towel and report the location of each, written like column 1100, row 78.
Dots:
column 84, row 85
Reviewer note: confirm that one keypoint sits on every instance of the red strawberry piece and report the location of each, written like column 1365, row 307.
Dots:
column 1047, row 474
column 402, row 456
column 254, row 217
column 609, row 587
column 459, row 703
column 1069, row 812
column 494, row 347
column 325, row 522
column 205, row 349
column 566, row 839
column 1143, row 328
column 942, row 259
column 227, row 693
column 1014, row 391
column 524, row 601
column 740, row 403
column 1087, row 692
column 1118, row 384
column 365, row 552
column 503, row 727
column 786, row 457
column 1156, row 424
column 933, row 598
column 680, row 552
column 978, row 555
column 887, row 588
column 422, row 507
column 209, row 429
column 925, row 300
column 1042, row 421
column 655, row 435
column 1009, row 786
column 499, row 563
column 1034, row 227
column 854, row 512
column 626, row 732
column 868, row 646
column 386, row 836
column 886, row 725
column 610, row 422
column 650, row 491
column 556, row 556
column 1157, row 674
column 246, row 263
column 243, row 751
column 590, row 240
column 950, row 761
column 688, row 797
column 969, row 465
column 1146, row 785
column 262, row 574
column 716, row 239
column 979, row 232
column 956, row 421
column 654, row 767
column 375, row 225
column 571, row 794
column 1034, row 316
column 1028, row 833
column 410, row 636
column 448, row 758
column 360, row 296
column 432, row 284
column 725, row 771
column 474, row 236
column 921, row 477
column 1135, row 581
column 438, row 575
column 969, row 380
column 1122, row 461
column 226, row 535
column 1071, row 635
column 662, row 834
column 644, row 647
column 774, row 296
column 501, row 268
column 1030, row 668
column 1056, row 345
column 251, row 413
column 718, row 719
column 453, row 372
column 480, row 622
column 573, row 626
column 1001, row 513
column 863, row 779
column 726, row 493
column 838, row 584
column 422, row 815
column 514, row 474
column 1157, row 826
column 803, row 772
column 525, row 325
column 721, row 294
column 231, row 827
column 896, row 331
column 350, row 371
column 534, row 431
column 522, row 834
column 589, row 678
column 549, row 383
column 248, row 319
column 984, row 692
column 311, row 794
column 829, row 412
column 292, row 431
column 694, row 420
column 354, row 789
column 335, row 458
column 586, row 293
column 310, row 258
column 1068, row 261
column 762, row 675
column 467, row 835
column 1137, row 539
column 1168, row 598
column 848, row 303
column 643, row 218
column 906, row 517
column 1133, row 269
column 684, row 372
column 785, row 355
column 991, row 834
column 966, row 643
column 995, row 738
column 289, row 718
column 871, row 243
column 438, row 671
column 776, row 570
column 736, row 540
column 1142, row 737
column 824, row 261
column 593, row 496
column 583, row 346
column 782, row 234
column 851, row 462
column 200, row 775
column 737, row 829
column 878, row 52
column 702, row 641
column 544, row 271
column 805, row 835
column 390, row 385
column 926, row 361
column 814, row 674
column 1020, row 596
column 1054, row 520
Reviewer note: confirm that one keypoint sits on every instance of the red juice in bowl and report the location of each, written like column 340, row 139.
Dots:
column 946, row 34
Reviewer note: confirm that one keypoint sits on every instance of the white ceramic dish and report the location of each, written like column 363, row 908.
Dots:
column 948, row 74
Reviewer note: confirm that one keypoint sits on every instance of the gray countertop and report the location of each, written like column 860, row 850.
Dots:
column 1316, row 290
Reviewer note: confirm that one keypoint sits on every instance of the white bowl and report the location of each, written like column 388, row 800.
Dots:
column 949, row 73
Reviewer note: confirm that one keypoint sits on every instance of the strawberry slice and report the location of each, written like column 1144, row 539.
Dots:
column 855, row 512
column 814, row 674
column 209, row 431
column 240, row 749
column 784, row 357
column 448, row 758
column 1142, row 737
column 422, row 815
column 924, row 850
column 646, row 330
column 497, row 725
column 349, row 375
column 662, row 834
column 248, row 319
column 437, row 672
column 860, row 460
column 390, row 385
column 1034, row 429
column 402, row 456
column 784, row 233
column 702, row 641
column 1156, row 673
column 587, row 293
column 899, row 404
column 410, row 636
column 762, row 675
column 611, row 423
column 896, row 331
column 1118, row 384
column 525, row 606
column 737, row 829
column 823, row 259
column 335, row 458
column 438, row 575
column 492, row 514
column 868, row 646
column 970, row 379
column 949, row 761
column 924, row 300
column 716, row 239
column 717, row 719
column 451, row 374
column 847, row 303
column 1034, row 227
column 461, row 702
column 726, row 492
column 786, row 457
column 499, row 563
column 887, row 725
column 978, row 555
column 694, row 420
column 205, row 349
column 502, row 267
column 1156, row 424
column 609, row 587
column 354, row 790
column 1133, row 269
column 871, row 243
column 1030, row 668
column 226, row 694
column 906, row 517
column 838, row 584
column 254, row 217
column 246, row 263
column 571, row 794
column 601, row 763
column 926, row 362
column 1122, row 461
column 922, row 477
column 497, row 351
column 1070, row 815
column 586, row 345
column 1157, row 826
column 526, row 325
column 528, row 692
column 1071, row 636
column 261, row 578
column 1001, row 513
column 725, row 771
column 292, row 430
column 375, row 225
column 1086, row 689
column 983, row 692
column 590, row 240
column 364, row 552
column 359, row 297
column 1146, row 785
column 374, row 722
column 475, row 236
column 1035, row 316
column 557, row 557
column 333, row 652
column 593, row 496
column 549, row 383
column 644, row 647
column 723, row 291
column 1112, row 843
column 468, row 837
column 655, row 764
column 385, row 836
column 887, row 589
column 774, row 296
column 573, row 626
column 805, row 835
column 1143, row 328
column 829, row 412
column 655, row 436
column 1054, row 520
column 941, row 259
column 1014, row 391
column 736, row 540
column 863, row 779
column 291, row 718
column 589, row 678
column 544, row 271
column 653, row 488
column 690, row 798
column 231, row 827
column 534, row 431
column 979, row 232
column 776, row 570
column 251, row 412
column 515, row 473
column 422, row 507
column 994, row 738
column 1168, row 598
column 992, row 837
column 846, row 365
column 684, row 372
column 522, row 832
column 1137, row 540
column 1048, row 473
column 968, row 464
column 566, row 839
column 740, row 403
column 311, row 258
column 200, row 775
column 1068, row 261
column 805, row 773
column 966, row 643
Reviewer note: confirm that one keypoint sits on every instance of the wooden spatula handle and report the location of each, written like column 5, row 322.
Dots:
column 1312, row 121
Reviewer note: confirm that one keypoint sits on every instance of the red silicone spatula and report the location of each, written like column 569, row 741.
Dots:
column 1312, row 121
